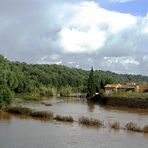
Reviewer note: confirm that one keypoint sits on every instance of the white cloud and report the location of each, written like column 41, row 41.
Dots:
column 71, row 62
column 59, row 62
column 90, row 60
column 145, row 24
column 55, row 57
column 89, row 26
column 145, row 58
column 125, row 61
column 43, row 58
column 90, row 14
column 75, row 41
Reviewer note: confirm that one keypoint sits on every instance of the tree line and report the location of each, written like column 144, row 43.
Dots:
column 20, row 77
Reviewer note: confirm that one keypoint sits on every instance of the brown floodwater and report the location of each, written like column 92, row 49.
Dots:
column 25, row 132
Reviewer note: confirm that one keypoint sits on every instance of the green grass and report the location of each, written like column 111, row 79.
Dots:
column 27, row 97
column 132, row 95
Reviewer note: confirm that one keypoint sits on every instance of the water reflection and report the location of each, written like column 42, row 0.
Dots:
column 90, row 105
column 5, row 116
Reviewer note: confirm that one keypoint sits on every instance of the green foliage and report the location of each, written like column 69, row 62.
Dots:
column 5, row 96
column 48, row 91
column 91, row 87
column 101, row 92
column 130, row 95
column 67, row 90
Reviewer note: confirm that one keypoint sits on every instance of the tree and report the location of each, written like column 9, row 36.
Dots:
column 91, row 87
column 101, row 84
column 5, row 96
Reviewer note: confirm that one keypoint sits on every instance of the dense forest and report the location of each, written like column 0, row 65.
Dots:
column 17, row 77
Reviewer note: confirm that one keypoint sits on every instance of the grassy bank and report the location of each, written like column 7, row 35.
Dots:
column 27, row 97
column 131, row 95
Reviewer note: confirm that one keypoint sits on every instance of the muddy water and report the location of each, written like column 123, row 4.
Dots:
column 23, row 132
column 78, row 107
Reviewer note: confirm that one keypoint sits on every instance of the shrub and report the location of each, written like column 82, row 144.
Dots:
column 47, row 91
column 42, row 114
column 115, row 125
column 5, row 96
column 90, row 122
column 64, row 118
column 20, row 110
column 133, row 127
column 65, row 91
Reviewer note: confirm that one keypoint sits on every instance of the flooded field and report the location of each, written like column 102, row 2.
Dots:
column 25, row 132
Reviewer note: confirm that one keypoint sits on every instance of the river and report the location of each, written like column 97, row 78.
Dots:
column 25, row 132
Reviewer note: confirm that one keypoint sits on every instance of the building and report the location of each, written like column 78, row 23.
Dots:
column 111, row 88
column 121, row 88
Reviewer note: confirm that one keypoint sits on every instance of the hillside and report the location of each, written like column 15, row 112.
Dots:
column 21, row 77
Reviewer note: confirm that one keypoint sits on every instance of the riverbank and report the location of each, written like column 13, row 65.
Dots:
column 122, row 101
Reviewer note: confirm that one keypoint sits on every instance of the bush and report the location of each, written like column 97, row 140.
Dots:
column 48, row 91
column 42, row 114
column 5, row 96
column 115, row 125
column 64, row 118
column 133, row 127
column 65, row 91
column 90, row 122
column 20, row 110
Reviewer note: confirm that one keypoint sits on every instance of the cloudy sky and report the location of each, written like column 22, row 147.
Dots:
column 107, row 34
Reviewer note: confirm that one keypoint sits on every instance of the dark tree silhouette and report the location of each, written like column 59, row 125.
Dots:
column 91, row 87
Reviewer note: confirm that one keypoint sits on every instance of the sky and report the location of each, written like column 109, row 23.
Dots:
column 110, row 35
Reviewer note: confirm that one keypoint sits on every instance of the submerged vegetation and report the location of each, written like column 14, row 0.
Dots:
column 131, row 126
column 64, row 118
column 85, row 121
column 90, row 121
column 42, row 114
column 20, row 110
column 115, row 125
